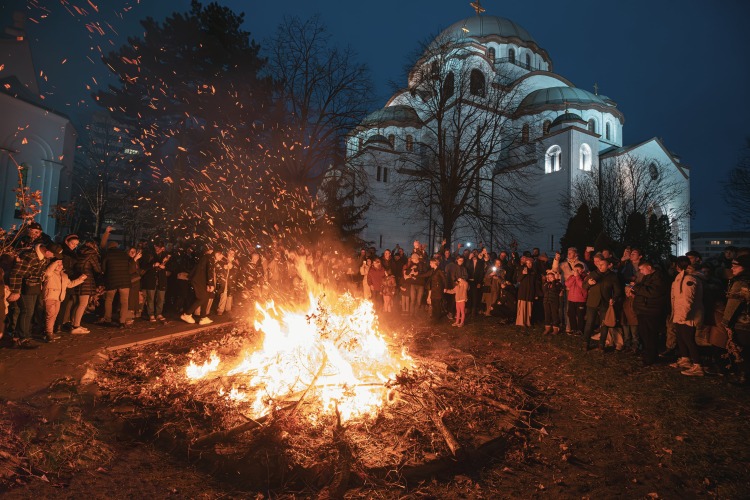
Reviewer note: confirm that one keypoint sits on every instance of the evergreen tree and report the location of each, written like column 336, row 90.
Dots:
column 577, row 232
column 659, row 238
column 636, row 231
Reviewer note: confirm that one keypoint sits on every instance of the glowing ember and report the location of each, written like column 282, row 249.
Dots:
column 331, row 354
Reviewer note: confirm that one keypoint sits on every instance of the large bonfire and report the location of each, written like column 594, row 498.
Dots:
column 329, row 352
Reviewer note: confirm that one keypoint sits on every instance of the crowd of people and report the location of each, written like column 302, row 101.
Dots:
column 688, row 311
column 50, row 288
column 693, row 311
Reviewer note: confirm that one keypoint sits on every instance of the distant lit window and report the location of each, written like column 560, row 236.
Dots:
column 727, row 242
column 410, row 143
column 715, row 242
column 585, row 163
column 512, row 55
column 545, row 127
column 131, row 151
column 476, row 83
column 552, row 159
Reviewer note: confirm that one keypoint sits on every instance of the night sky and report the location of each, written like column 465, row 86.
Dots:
column 679, row 70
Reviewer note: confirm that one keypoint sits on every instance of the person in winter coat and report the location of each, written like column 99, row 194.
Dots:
column 54, row 291
column 203, row 279
column 26, row 286
column 154, row 280
column 389, row 290
column 116, row 270
column 86, row 264
column 736, row 317
column 134, row 297
column 461, row 291
column 529, row 290
column 69, row 258
column 687, row 314
column 577, row 296
column 552, row 289
column 374, row 281
column 415, row 274
column 436, row 284
column 651, row 299
column 604, row 289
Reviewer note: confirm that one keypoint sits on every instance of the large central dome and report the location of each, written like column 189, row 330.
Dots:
column 481, row 26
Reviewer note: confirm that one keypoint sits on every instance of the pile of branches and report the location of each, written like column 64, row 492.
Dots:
column 437, row 417
column 52, row 443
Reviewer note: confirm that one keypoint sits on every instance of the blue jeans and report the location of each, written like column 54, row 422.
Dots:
column 416, row 292
column 27, row 306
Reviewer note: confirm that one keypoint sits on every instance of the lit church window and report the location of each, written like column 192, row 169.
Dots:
column 585, row 164
column 552, row 159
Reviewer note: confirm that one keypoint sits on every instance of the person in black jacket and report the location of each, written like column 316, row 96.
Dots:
column 650, row 300
column 116, row 269
column 69, row 259
column 436, row 283
column 604, row 289
column 203, row 279
column 154, row 280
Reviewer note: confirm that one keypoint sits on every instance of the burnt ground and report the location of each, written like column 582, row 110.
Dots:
column 602, row 427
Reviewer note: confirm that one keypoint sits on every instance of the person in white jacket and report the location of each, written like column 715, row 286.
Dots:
column 687, row 314
column 55, row 286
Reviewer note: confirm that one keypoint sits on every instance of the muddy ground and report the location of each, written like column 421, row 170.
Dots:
column 603, row 427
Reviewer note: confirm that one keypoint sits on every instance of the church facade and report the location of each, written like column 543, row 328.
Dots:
column 552, row 132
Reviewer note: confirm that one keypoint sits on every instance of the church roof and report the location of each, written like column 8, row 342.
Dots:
column 399, row 114
column 481, row 26
column 560, row 95
column 378, row 139
column 567, row 117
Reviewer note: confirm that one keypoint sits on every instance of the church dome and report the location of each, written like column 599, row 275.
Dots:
column 559, row 95
column 378, row 139
column 398, row 114
column 481, row 26
column 567, row 117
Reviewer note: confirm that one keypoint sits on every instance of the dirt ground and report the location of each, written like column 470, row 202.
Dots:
column 604, row 427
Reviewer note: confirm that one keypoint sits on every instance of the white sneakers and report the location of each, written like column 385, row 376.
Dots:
column 188, row 318
column 205, row 321
column 79, row 330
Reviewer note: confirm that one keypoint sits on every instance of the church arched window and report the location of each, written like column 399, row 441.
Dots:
column 545, row 127
column 476, row 83
column 592, row 126
column 585, row 162
column 491, row 54
column 608, row 132
column 528, row 61
column 410, row 143
column 525, row 133
column 449, row 85
column 653, row 171
column 512, row 55
column 552, row 159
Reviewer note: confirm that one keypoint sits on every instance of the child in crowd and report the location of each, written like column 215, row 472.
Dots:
column 389, row 290
column 56, row 283
column 552, row 290
column 461, row 290
column 577, row 296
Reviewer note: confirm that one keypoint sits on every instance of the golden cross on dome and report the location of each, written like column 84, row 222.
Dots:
column 596, row 88
column 477, row 6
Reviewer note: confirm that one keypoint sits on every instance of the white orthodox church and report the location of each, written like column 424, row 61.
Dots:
column 565, row 132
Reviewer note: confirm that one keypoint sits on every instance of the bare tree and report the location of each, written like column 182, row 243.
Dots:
column 626, row 185
column 323, row 92
column 100, row 167
column 465, row 172
column 738, row 187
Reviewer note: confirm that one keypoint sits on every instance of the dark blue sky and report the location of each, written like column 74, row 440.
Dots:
column 678, row 69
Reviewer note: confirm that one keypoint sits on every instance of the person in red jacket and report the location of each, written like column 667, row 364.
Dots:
column 576, row 299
